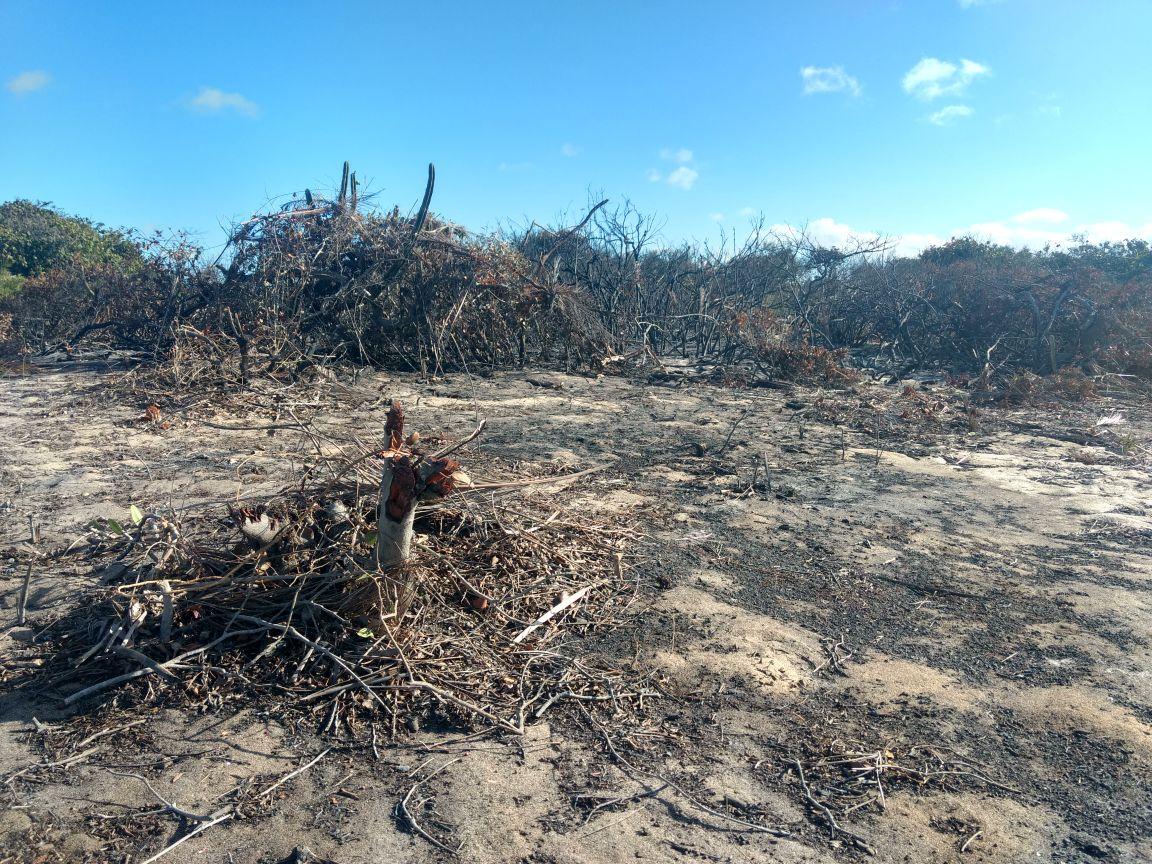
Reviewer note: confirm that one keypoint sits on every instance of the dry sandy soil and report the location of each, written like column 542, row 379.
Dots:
column 970, row 594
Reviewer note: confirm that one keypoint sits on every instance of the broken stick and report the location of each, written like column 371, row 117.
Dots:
column 574, row 597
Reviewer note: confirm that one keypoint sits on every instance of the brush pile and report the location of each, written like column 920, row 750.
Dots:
column 299, row 600
column 317, row 282
column 322, row 281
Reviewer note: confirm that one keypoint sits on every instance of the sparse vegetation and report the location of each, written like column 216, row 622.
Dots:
column 323, row 281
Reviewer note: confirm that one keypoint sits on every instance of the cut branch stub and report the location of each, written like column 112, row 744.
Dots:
column 408, row 477
column 394, row 426
column 395, row 513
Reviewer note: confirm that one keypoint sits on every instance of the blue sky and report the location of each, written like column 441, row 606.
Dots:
column 1021, row 120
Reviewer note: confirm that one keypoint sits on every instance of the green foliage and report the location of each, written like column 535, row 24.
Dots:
column 10, row 284
column 36, row 237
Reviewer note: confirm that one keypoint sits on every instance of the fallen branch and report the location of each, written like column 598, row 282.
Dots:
column 22, row 603
column 572, row 598
column 695, row 802
column 295, row 773
column 169, row 806
column 225, row 813
column 822, row 810
column 403, row 811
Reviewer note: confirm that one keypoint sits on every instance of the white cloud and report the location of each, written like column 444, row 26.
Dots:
column 514, row 167
column 1114, row 232
column 1038, row 228
column 949, row 114
column 28, row 82
column 914, row 244
column 830, row 233
column 1032, row 229
column 683, row 177
column 568, row 149
column 747, row 212
column 932, row 78
column 1045, row 226
column 210, row 100
column 1094, row 232
column 1040, row 214
column 1012, row 234
column 1053, row 111
column 716, row 217
column 825, row 231
column 682, row 156
column 828, row 79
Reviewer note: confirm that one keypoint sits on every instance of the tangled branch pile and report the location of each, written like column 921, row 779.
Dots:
column 324, row 280
column 321, row 281
column 287, row 600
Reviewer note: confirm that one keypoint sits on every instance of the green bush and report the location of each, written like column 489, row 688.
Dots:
column 10, row 284
column 36, row 237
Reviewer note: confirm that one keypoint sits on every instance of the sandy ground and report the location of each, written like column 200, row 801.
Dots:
column 982, row 594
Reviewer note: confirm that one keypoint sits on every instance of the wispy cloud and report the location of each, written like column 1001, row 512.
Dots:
column 682, row 155
column 969, row 4
column 1041, row 214
column 828, row 79
column 514, row 167
column 932, row 78
column 28, row 82
column 716, row 217
column 569, row 150
column 210, row 100
column 748, row 212
column 683, row 177
column 950, row 114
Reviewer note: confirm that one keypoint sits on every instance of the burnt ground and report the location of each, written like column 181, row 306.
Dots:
column 827, row 575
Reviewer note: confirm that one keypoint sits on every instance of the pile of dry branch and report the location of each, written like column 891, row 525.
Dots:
column 359, row 600
column 325, row 281
column 318, row 282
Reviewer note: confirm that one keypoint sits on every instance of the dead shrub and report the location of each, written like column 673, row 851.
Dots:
column 766, row 340
column 1071, row 383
